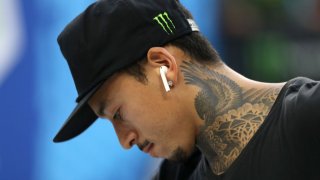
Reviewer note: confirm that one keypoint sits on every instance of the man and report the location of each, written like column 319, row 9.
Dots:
column 144, row 66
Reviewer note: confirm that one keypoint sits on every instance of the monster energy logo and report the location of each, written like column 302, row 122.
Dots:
column 165, row 22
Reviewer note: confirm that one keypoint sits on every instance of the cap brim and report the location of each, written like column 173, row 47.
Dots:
column 79, row 120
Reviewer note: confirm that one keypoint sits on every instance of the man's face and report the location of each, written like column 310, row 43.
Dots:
column 145, row 115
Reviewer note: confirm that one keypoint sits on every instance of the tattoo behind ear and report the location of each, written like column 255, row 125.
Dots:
column 218, row 93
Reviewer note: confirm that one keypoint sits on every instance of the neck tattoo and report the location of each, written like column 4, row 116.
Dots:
column 231, row 114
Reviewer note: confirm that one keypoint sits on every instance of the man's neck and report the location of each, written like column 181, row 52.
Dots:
column 231, row 109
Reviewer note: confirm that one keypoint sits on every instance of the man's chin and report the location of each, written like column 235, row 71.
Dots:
column 179, row 155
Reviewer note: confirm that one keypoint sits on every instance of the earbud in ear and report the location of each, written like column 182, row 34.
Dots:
column 163, row 72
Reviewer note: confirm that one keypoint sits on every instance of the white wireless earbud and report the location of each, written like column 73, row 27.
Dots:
column 163, row 71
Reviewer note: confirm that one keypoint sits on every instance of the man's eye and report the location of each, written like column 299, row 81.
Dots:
column 117, row 116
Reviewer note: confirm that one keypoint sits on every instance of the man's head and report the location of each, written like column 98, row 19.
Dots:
column 115, row 50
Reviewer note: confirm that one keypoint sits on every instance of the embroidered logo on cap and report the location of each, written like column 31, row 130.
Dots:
column 165, row 22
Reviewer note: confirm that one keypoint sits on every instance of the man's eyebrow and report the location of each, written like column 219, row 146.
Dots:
column 101, row 108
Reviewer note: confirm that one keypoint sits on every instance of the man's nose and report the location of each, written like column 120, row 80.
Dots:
column 127, row 136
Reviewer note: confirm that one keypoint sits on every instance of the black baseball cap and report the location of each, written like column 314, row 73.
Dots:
column 111, row 35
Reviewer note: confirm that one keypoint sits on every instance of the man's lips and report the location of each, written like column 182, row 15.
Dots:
column 147, row 148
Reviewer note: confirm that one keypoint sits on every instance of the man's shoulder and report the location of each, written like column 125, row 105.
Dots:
column 300, row 106
column 302, row 96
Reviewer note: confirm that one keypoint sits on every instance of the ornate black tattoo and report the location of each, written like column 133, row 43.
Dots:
column 232, row 115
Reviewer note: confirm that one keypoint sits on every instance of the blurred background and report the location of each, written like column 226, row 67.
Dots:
column 266, row 40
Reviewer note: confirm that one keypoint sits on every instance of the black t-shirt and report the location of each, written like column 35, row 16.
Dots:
column 285, row 147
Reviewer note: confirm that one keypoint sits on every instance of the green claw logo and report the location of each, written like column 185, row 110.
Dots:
column 165, row 22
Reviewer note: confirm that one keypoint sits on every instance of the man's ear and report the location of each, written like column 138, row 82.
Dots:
column 160, row 56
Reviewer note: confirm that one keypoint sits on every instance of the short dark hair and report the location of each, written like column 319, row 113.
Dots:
column 195, row 45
